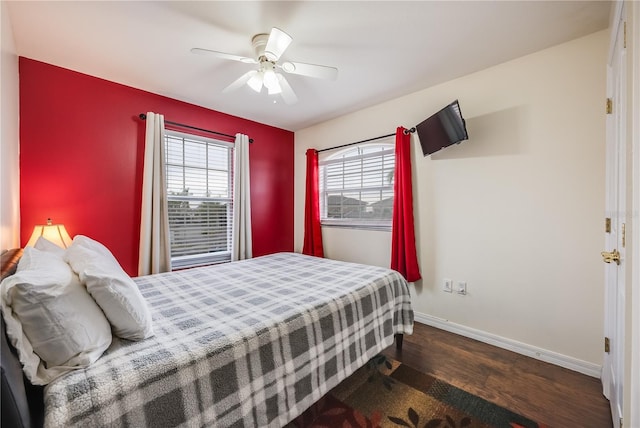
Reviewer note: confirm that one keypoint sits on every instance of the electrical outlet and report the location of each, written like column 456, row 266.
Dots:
column 447, row 285
column 462, row 287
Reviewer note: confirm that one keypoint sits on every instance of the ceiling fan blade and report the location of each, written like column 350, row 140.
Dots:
column 239, row 82
column 277, row 43
column 311, row 70
column 223, row 55
column 287, row 93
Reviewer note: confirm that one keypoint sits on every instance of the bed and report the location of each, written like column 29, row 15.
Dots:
column 248, row 343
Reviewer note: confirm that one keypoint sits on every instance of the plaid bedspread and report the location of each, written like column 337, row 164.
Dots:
column 251, row 343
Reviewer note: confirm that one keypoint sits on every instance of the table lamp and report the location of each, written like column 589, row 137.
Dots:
column 55, row 233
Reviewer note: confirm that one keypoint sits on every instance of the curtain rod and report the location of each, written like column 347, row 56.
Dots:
column 406, row 131
column 182, row 125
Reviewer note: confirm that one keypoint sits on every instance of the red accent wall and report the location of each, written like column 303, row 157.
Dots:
column 81, row 157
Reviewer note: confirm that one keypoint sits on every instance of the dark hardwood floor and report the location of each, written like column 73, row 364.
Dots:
column 540, row 391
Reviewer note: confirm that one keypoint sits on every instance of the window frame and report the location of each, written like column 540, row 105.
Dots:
column 338, row 157
column 204, row 258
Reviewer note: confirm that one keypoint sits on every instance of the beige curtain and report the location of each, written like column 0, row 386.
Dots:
column 155, row 249
column 241, row 232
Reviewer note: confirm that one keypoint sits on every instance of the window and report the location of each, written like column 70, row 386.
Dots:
column 199, row 193
column 356, row 187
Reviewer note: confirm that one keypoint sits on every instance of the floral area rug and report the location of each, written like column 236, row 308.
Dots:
column 387, row 393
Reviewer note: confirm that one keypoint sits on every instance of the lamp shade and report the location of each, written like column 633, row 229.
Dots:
column 55, row 233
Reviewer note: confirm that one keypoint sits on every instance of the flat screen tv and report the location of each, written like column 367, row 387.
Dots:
column 443, row 129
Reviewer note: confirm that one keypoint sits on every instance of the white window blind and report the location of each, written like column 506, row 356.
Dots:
column 199, row 193
column 356, row 187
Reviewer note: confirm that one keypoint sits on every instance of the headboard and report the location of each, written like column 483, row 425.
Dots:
column 10, row 259
column 22, row 404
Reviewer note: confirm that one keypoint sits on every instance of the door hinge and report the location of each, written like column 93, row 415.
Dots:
column 624, row 239
column 607, row 347
column 609, row 106
column 621, row 425
column 607, row 225
column 624, row 32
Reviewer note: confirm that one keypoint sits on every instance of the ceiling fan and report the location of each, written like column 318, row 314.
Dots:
column 268, row 49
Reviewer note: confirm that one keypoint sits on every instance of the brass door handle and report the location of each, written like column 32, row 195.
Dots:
column 613, row 256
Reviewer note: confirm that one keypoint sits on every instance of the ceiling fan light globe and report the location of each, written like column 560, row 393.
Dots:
column 271, row 80
column 256, row 82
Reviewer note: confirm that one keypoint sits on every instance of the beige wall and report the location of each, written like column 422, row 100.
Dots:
column 9, row 133
column 516, row 211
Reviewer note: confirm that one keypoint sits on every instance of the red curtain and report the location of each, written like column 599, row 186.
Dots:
column 312, row 231
column 403, row 242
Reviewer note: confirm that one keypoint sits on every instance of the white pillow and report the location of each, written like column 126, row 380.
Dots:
column 113, row 290
column 43, row 244
column 51, row 319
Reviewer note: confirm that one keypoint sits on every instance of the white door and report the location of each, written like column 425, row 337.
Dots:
column 613, row 367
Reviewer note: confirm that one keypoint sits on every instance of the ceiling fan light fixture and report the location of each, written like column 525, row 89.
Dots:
column 256, row 81
column 271, row 80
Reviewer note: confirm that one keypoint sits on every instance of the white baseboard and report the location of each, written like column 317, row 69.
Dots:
column 565, row 361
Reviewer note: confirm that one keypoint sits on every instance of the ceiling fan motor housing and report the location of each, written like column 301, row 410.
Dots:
column 259, row 42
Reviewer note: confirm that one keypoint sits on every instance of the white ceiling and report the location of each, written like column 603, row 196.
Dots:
column 383, row 50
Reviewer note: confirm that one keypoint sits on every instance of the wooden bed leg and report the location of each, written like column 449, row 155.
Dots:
column 399, row 338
